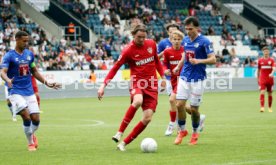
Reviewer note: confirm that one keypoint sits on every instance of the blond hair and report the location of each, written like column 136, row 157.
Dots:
column 179, row 33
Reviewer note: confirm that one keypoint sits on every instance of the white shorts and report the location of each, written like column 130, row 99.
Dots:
column 192, row 91
column 20, row 102
column 168, row 87
column 6, row 92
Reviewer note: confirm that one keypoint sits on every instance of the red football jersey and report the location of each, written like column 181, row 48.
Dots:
column 265, row 66
column 143, row 62
column 171, row 60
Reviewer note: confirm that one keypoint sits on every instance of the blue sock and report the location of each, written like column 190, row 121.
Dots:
column 195, row 125
column 27, row 123
column 181, row 124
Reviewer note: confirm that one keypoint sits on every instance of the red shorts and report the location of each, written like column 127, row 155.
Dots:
column 149, row 98
column 174, row 85
column 266, row 85
column 35, row 87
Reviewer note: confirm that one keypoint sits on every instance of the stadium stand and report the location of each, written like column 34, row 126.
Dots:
column 111, row 21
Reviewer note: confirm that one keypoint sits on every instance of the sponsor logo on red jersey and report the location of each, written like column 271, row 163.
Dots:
column 144, row 61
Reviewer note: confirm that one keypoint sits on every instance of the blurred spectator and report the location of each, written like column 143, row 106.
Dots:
column 247, row 62
column 209, row 6
column 225, row 51
column 235, row 62
column 211, row 31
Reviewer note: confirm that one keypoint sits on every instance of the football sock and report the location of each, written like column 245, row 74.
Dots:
column 173, row 116
column 135, row 132
column 34, row 126
column 262, row 101
column 28, row 130
column 270, row 98
column 195, row 121
column 181, row 124
column 195, row 125
column 127, row 118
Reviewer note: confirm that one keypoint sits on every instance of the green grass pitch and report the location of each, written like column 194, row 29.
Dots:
column 79, row 131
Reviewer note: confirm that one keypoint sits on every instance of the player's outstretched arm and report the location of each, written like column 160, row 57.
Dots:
column 5, row 77
column 101, row 91
column 40, row 78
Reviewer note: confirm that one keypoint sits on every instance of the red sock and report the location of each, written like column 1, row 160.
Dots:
column 262, row 100
column 135, row 132
column 38, row 100
column 270, row 101
column 127, row 118
column 173, row 116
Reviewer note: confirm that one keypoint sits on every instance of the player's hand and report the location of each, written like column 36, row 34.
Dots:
column 194, row 61
column 53, row 85
column 167, row 72
column 101, row 92
column 9, row 83
column 271, row 75
column 163, row 85
column 175, row 70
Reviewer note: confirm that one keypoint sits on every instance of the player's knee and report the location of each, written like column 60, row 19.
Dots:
column 262, row 92
column 147, row 119
column 180, row 104
column 172, row 101
column 137, row 103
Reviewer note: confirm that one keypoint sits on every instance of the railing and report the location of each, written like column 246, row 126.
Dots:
column 268, row 31
column 231, row 1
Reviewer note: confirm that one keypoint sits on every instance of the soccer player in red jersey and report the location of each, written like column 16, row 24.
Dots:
column 265, row 78
column 141, row 56
column 172, row 56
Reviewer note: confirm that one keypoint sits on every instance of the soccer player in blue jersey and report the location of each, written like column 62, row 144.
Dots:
column 164, row 44
column 17, row 67
column 198, row 52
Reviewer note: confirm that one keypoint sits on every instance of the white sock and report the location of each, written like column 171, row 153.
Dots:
column 34, row 127
column 172, row 123
column 28, row 133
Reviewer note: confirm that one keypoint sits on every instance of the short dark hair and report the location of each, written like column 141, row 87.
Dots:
column 168, row 26
column 191, row 20
column 138, row 27
column 19, row 34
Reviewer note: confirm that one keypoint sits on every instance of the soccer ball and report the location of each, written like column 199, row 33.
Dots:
column 148, row 145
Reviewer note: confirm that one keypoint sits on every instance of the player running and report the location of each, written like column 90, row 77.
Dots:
column 198, row 53
column 141, row 55
column 17, row 66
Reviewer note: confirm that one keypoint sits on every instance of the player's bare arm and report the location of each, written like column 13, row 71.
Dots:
column 101, row 91
column 272, row 72
column 5, row 77
column 40, row 78
column 211, row 59
column 179, row 65
column 160, row 55
column 159, row 68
